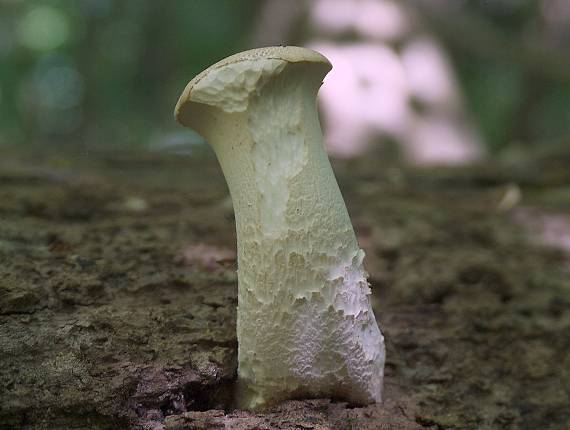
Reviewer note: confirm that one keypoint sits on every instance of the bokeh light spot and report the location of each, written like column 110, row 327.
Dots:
column 43, row 28
column 58, row 83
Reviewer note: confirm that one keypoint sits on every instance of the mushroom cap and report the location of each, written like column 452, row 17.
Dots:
column 281, row 54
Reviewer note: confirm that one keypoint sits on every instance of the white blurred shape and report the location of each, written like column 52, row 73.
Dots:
column 370, row 91
column 364, row 94
column 381, row 86
column 378, row 19
column 441, row 140
column 551, row 228
column 557, row 231
column 381, row 19
column 333, row 16
column 430, row 75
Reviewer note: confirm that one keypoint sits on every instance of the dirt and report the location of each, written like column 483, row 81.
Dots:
column 111, row 319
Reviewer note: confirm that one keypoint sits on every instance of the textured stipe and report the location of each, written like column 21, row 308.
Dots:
column 305, row 324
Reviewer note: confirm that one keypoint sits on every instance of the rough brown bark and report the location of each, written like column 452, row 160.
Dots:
column 111, row 318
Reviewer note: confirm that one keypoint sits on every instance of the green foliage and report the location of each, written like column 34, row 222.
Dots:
column 103, row 71
column 108, row 72
column 493, row 92
column 518, row 88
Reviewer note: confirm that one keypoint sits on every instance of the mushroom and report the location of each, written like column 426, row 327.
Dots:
column 305, row 325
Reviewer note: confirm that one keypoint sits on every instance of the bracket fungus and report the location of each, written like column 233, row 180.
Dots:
column 305, row 323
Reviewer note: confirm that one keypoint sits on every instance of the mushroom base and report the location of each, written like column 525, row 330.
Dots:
column 326, row 344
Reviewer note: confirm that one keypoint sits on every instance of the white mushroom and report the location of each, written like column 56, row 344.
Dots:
column 305, row 324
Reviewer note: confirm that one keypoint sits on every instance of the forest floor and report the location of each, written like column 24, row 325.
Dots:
column 118, row 295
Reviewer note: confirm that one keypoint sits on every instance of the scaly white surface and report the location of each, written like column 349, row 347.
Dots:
column 305, row 324
column 230, row 87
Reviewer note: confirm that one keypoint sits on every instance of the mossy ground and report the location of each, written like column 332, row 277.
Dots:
column 106, row 324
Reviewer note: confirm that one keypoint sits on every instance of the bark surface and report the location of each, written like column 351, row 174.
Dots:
column 118, row 295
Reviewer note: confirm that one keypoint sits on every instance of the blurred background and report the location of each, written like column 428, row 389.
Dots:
column 429, row 82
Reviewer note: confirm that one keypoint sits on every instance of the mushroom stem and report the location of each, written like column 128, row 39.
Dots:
column 305, row 323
